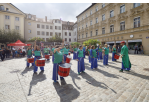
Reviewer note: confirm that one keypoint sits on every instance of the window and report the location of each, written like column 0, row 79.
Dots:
column 38, row 25
column 91, row 12
column 7, row 26
column 42, row 26
column 122, row 26
column 69, row 33
column 96, row 8
column 103, row 30
column 136, row 22
column 17, row 27
column 65, row 33
column 2, row 7
column 96, row 20
column 75, row 33
column 82, row 35
column 59, row 27
column 111, row 28
column 122, row 8
column 82, row 26
column 47, row 33
column 42, row 32
column 79, row 36
column 51, row 27
column 38, row 32
column 17, row 18
column 66, row 39
column 79, row 28
column 6, row 17
column 29, row 16
column 86, row 35
column 103, row 17
column 69, row 39
column 86, row 25
column 29, row 31
column 103, row 5
column 90, row 22
column 55, row 27
column 91, row 33
column 51, row 33
column 56, row 33
column 59, row 34
column 86, row 15
column 111, row 13
column 43, row 38
column 55, row 21
column 74, row 39
column 7, row 9
column 47, row 39
column 136, row 5
column 96, row 32
column 29, row 23
column 47, row 26
column 82, row 17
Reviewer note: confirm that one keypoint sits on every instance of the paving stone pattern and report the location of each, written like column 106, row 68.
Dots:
column 19, row 84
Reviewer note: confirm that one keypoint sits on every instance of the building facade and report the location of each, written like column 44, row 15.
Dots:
column 43, row 28
column 115, row 22
column 67, row 32
column 75, row 28
column 11, row 18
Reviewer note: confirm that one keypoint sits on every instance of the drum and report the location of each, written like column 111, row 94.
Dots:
column 68, row 59
column 30, row 60
column 40, row 62
column 47, row 56
column 116, row 56
column 64, row 69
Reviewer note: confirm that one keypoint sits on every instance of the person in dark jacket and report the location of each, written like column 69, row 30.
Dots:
column 7, row 53
column 2, row 54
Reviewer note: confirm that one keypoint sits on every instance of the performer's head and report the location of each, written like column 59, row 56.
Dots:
column 100, row 46
column 88, row 47
column 37, row 48
column 114, row 46
column 58, row 47
column 106, row 45
column 80, row 47
column 29, row 47
column 93, row 47
column 122, row 43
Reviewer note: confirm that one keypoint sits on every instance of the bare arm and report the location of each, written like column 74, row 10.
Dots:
column 55, row 50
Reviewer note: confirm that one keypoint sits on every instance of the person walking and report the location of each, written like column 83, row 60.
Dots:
column 136, row 49
column 7, row 53
column 141, row 48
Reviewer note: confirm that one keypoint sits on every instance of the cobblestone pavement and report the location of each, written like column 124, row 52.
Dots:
column 17, row 83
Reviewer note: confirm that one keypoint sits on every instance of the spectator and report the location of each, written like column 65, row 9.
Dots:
column 23, row 51
column 2, row 54
column 141, row 48
column 7, row 53
column 119, row 49
column 136, row 49
column 13, row 51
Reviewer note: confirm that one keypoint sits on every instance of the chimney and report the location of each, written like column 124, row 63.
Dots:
column 46, row 18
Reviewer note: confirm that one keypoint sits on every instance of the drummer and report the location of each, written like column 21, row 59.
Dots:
column 113, row 52
column 46, row 51
column 65, row 51
column 80, row 59
column 38, row 55
column 29, row 55
column 106, row 55
column 89, row 54
column 74, row 52
column 53, row 53
column 58, row 59
column 93, row 55
column 100, row 53
column 84, row 48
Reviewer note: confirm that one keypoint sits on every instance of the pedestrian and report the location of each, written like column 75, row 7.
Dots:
column 80, row 59
column 29, row 55
column 7, row 53
column 93, row 54
column 136, row 49
column 113, row 52
column 141, row 48
column 46, row 51
column 126, row 65
column 106, row 55
column 23, row 51
column 119, row 49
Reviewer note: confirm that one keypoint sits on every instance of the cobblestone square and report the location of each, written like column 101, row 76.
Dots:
column 107, row 84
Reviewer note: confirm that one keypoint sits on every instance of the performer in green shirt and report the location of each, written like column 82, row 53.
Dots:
column 80, row 59
column 113, row 52
column 29, row 55
column 126, row 65
column 99, row 55
column 75, row 52
column 65, row 51
column 106, row 55
column 93, row 54
column 46, row 51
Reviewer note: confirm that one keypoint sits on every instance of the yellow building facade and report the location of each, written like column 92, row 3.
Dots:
column 115, row 22
column 11, row 18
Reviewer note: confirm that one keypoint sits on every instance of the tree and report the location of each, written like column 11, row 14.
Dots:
column 75, row 43
column 36, row 38
column 91, row 42
column 55, row 38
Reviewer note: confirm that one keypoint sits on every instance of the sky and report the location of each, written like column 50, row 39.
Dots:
column 65, row 11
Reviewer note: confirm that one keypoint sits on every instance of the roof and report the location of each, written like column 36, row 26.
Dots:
column 86, row 9
column 16, row 7
column 65, row 22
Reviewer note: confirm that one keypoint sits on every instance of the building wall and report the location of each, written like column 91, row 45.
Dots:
column 128, row 16
column 75, row 33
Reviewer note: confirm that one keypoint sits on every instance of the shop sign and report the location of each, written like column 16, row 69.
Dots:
column 131, row 36
column 147, row 37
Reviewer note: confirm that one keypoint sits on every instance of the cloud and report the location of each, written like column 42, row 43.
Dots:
column 65, row 11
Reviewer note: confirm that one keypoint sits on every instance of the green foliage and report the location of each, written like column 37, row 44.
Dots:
column 75, row 43
column 37, row 39
column 91, row 42
column 55, row 38
column 9, row 36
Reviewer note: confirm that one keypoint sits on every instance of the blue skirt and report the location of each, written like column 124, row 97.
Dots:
column 99, row 55
column 89, row 58
column 94, row 63
column 113, row 54
column 105, row 59
column 81, row 66
column 74, row 55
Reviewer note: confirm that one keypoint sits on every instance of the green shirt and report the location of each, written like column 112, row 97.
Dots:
column 58, row 57
column 37, row 53
column 29, row 52
column 65, row 51
column 46, row 50
column 80, row 53
column 106, row 50
column 114, row 50
column 75, row 49
column 100, row 49
column 89, row 51
column 53, row 50
column 94, row 53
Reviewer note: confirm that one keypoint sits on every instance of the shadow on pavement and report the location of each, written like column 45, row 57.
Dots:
column 66, row 92
column 27, row 70
column 35, row 79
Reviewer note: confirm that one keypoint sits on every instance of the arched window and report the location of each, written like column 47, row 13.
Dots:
column 2, row 7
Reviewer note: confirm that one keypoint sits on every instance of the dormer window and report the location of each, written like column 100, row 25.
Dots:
column 2, row 7
column 67, row 23
column 29, row 16
column 7, row 9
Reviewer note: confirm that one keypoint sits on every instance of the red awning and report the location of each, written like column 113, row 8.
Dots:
column 18, row 43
